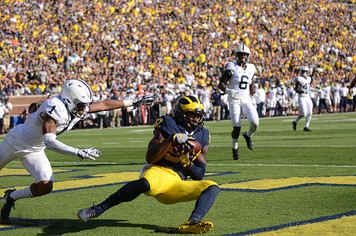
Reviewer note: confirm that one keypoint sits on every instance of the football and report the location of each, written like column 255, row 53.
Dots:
column 194, row 147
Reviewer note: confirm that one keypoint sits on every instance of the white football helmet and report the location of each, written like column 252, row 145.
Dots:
column 304, row 71
column 77, row 96
column 240, row 51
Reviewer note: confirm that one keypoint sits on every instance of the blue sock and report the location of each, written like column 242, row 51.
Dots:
column 127, row 193
column 204, row 203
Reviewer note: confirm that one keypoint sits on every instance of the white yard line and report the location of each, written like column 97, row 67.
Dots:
column 227, row 146
column 210, row 164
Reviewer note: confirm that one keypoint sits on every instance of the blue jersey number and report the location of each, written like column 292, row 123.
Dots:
column 50, row 112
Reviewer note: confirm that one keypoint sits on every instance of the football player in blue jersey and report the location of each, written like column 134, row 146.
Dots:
column 169, row 166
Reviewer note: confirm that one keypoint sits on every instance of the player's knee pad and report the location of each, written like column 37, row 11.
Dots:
column 48, row 188
column 41, row 188
column 235, row 132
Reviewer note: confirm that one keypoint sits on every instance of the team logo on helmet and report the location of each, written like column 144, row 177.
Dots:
column 184, row 107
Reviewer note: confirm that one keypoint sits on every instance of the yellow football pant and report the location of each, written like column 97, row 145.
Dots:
column 168, row 188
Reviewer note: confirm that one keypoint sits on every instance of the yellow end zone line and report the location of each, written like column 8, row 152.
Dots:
column 270, row 184
column 91, row 181
column 19, row 223
column 99, row 180
column 339, row 224
column 16, row 171
column 105, row 179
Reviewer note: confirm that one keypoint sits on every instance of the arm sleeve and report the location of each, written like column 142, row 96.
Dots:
column 128, row 103
column 226, row 76
column 197, row 171
column 53, row 144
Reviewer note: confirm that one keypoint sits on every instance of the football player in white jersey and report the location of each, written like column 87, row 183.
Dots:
column 302, row 87
column 273, row 100
column 27, row 142
column 237, row 82
column 336, row 95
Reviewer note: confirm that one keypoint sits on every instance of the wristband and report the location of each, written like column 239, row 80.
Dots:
column 128, row 103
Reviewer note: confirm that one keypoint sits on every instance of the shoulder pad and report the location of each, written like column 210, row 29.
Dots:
column 55, row 108
column 229, row 66
column 166, row 124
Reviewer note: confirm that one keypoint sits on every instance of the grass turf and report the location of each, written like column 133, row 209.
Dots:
column 289, row 178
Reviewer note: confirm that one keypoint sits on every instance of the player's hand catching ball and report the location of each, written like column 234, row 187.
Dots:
column 186, row 149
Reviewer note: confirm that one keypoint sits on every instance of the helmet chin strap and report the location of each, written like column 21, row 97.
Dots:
column 76, row 115
column 192, row 127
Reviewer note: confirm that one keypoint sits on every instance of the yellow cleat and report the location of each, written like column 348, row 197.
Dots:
column 199, row 227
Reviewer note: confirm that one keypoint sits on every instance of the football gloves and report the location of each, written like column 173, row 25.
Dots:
column 142, row 101
column 187, row 159
column 180, row 138
column 90, row 153
column 181, row 147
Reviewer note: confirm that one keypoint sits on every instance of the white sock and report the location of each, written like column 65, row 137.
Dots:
column 234, row 143
column 22, row 193
column 307, row 121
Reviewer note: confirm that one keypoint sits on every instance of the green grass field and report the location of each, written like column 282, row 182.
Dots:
column 292, row 183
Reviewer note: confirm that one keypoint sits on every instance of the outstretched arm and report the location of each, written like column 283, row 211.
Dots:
column 115, row 104
column 49, row 131
column 109, row 105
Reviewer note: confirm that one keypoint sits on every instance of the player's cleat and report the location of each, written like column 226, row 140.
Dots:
column 248, row 141
column 87, row 213
column 199, row 227
column 9, row 203
column 294, row 125
column 235, row 154
column 306, row 129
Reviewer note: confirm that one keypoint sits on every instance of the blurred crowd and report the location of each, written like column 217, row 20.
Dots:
column 170, row 48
